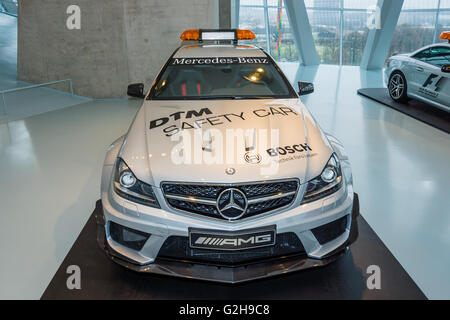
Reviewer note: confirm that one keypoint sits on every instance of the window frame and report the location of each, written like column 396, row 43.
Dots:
column 414, row 56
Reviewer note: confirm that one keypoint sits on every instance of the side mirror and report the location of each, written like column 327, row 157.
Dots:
column 305, row 88
column 446, row 68
column 136, row 90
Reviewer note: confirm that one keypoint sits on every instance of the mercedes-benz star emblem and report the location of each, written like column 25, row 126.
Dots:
column 232, row 203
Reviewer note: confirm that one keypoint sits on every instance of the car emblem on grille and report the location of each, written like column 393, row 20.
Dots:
column 232, row 203
column 252, row 157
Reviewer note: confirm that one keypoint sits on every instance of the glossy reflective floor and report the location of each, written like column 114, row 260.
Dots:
column 24, row 103
column 51, row 163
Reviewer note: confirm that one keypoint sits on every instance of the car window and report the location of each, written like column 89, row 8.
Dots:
column 437, row 56
column 422, row 54
column 228, row 77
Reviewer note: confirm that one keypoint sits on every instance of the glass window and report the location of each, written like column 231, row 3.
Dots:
column 322, row 3
column 251, row 2
column 420, row 4
column 274, row 3
column 220, row 80
column 277, row 40
column 422, row 54
column 359, row 4
column 437, row 56
column 414, row 30
column 253, row 19
column 282, row 46
column 443, row 24
column 417, row 27
column 355, row 35
column 325, row 29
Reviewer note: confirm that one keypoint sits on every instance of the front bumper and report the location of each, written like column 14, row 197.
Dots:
column 315, row 255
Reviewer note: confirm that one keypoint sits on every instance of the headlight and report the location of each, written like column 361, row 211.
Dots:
column 329, row 181
column 129, row 187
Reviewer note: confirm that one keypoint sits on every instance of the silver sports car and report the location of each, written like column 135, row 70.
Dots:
column 423, row 75
column 224, row 175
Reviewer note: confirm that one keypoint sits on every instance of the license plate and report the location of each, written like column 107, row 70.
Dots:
column 240, row 240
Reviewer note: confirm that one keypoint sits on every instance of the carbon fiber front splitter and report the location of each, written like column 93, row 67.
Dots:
column 227, row 274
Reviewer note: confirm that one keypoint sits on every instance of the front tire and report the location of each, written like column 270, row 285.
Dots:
column 398, row 87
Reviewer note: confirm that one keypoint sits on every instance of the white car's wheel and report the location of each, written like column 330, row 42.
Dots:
column 398, row 87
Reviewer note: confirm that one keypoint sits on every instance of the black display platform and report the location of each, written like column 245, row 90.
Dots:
column 421, row 111
column 344, row 279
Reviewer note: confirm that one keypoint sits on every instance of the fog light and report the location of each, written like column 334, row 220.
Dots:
column 127, row 179
column 128, row 237
column 329, row 174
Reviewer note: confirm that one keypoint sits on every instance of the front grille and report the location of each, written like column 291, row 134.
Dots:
column 207, row 210
column 201, row 198
column 177, row 248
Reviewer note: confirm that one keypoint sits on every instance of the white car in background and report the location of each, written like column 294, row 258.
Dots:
column 225, row 222
column 423, row 75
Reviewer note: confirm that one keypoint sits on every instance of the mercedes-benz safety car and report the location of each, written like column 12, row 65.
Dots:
column 422, row 75
column 276, row 197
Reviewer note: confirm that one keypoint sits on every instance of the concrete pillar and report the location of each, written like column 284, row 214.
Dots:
column 120, row 41
column 225, row 14
column 380, row 36
column 301, row 31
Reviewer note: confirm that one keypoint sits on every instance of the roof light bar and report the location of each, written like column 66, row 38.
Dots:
column 215, row 35
column 445, row 36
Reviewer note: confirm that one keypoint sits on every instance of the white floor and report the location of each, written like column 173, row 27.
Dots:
column 50, row 177
column 50, row 180
column 24, row 103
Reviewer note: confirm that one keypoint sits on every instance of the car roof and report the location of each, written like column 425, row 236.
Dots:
column 218, row 50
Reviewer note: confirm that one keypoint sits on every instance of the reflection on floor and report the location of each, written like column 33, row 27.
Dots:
column 24, row 103
column 50, row 179
column 51, row 166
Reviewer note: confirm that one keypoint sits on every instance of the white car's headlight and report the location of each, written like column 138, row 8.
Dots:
column 129, row 187
column 329, row 181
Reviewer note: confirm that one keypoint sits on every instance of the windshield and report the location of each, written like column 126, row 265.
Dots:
column 220, row 78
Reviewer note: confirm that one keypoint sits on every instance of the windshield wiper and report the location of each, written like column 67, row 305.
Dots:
column 233, row 97
column 218, row 97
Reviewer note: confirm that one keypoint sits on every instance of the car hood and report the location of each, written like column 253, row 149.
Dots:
column 191, row 141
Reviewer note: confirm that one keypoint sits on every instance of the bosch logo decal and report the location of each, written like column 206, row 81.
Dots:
column 281, row 151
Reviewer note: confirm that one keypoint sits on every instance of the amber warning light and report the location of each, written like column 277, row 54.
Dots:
column 215, row 35
column 445, row 36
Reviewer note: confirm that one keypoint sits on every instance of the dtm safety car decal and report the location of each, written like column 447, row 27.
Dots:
column 218, row 61
column 195, row 119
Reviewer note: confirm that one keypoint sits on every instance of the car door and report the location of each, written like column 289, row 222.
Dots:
column 419, row 72
column 429, row 81
column 440, row 56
